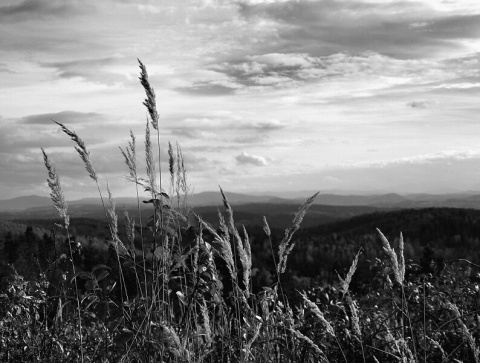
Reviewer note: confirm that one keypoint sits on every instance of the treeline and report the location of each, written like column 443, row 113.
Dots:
column 37, row 251
column 433, row 238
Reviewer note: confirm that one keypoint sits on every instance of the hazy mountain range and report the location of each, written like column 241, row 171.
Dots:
column 392, row 200
column 248, row 209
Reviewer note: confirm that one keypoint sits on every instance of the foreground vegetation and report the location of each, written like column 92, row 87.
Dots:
column 174, row 288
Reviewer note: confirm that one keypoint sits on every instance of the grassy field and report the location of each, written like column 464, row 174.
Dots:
column 183, row 293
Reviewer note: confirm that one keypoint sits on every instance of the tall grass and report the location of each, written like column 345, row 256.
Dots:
column 181, row 290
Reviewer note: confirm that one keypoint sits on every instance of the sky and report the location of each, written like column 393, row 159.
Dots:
column 264, row 96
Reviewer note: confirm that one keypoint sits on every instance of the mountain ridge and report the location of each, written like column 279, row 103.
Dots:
column 387, row 200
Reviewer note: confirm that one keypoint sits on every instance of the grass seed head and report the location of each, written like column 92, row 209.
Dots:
column 56, row 191
column 150, row 102
column 398, row 268
column 81, row 149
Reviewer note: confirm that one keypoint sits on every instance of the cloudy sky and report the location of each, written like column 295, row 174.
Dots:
column 262, row 95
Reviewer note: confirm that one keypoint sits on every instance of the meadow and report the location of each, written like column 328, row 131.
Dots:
column 176, row 288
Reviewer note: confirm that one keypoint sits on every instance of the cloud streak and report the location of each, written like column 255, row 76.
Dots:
column 69, row 117
column 28, row 9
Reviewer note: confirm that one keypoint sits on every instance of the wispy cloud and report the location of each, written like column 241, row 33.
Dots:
column 93, row 70
column 395, row 28
column 32, row 9
column 68, row 117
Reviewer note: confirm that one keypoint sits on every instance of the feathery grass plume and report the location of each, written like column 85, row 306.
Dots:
column 467, row 336
column 316, row 311
column 181, row 171
column 113, row 224
column 248, row 249
column 344, row 284
column 355, row 319
column 439, row 347
column 81, row 149
column 223, row 248
column 398, row 271
column 243, row 246
column 182, row 187
column 310, row 342
column 130, row 229
column 152, row 176
column 266, row 227
column 60, row 205
column 206, row 322
column 401, row 252
column 150, row 102
column 407, row 355
column 175, row 345
column 171, row 162
column 286, row 246
column 130, row 158
column 256, row 334
column 56, row 193
column 223, row 226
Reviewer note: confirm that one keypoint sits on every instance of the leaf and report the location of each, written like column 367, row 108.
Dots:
column 170, row 231
column 102, row 275
column 83, row 275
column 149, row 201
column 98, row 267
column 206, row 275
column 91, row 284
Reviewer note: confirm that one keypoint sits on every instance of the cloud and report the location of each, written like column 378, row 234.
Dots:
column 398, row 29
column 449, row 171
column 93, row 70
column 33, row 9
column 208, row 82
column 64, row 117
column 439, row 158
column 245, row 158
column 275, row 70
column 4, row 69
column 250, row 139
column 460, row 85
column 225, row 128
column 193, row 133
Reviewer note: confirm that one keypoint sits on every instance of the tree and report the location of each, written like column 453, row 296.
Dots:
column 10, row 248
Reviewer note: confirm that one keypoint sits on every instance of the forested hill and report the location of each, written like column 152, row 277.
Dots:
column 433, row 236
column 439, row 226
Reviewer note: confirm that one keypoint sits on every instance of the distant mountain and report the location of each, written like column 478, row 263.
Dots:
column 385, row 200
column 278, row 215
column 199, row 199
column 33, row 204
column 215, row 198
column 21, row 203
